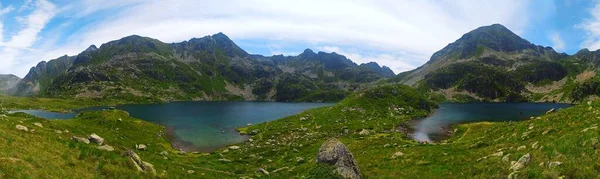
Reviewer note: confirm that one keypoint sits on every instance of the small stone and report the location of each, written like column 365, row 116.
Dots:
column 521, row 148
column 534, row 145
column 58, row 131
column 364, row 132
column 22, row 128
column 141, row 147
column 234, row 147
column 119, row 119
column 263, row 171
column 190, row 171
column 106, row 148
column 249, row 124
column 497, row 154
column 299, row 159
column 506, row 158
column 397, row 154
column 224, row 160
column 38, row 124
column 80, row 139
column 164, row 153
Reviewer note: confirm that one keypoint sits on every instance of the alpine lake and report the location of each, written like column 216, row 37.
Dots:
column 207, row 126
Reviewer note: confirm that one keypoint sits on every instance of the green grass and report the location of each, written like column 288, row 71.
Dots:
column 568, row 136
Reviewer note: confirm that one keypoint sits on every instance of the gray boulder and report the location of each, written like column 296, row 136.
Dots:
column 521, row 163
column 80, row 139
column 139, row 164
column 96, row 139
column 333, row 152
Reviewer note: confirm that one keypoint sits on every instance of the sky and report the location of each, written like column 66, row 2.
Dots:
column 400, row 34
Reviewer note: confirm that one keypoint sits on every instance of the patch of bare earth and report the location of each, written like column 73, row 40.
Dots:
column 585, row 76
column 245, row 92
column 546, row 88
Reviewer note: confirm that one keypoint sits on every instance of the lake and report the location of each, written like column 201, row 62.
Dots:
column 201, row 126
column 434, row 127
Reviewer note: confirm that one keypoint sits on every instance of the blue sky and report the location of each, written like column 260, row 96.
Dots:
column 401, row 34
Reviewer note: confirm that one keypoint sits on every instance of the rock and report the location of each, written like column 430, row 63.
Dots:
column 141, row 146
column 66, row 131
column 164, row 153
column 521, row 163
column 497, row 154
column 138, row 163
column 96, row 139
column 119, row 119
column 249, row 124
column 38, row 124
column 521, row 148
column 506, row 158
column 224, row 160
column 80, row 139
column 534, row 145
column 22, row 128
column 513, row 175
column 364, row 132
column 234, row 147
column 106, row 148
column 333, row 152
column 299, row 159
column 263, row 171
column 554, row 164
column 397, row 154
column 254, row 132
column 550, row 111
column 58, row 131
column 191, row 171
column 280, row 169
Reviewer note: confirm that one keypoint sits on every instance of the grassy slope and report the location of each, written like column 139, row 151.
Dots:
column 279, row 144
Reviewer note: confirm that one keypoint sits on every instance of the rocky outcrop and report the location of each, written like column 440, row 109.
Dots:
column 333, row 152
column 96, row 139
column 138, row 163
column 523, row 161
column 22, row 128
column 80, row 139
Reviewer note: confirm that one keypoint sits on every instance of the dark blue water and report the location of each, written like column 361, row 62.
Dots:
column 433, row 128
column 202, row 126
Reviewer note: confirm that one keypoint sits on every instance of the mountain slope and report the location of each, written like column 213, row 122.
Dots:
column 207, row 68
column 7, row 82
column 492, row 63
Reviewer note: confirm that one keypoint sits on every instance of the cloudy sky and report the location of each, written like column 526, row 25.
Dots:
column 401, row 34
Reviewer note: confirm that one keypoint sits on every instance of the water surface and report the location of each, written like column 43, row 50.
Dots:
column 201, row 126
column 433, row 128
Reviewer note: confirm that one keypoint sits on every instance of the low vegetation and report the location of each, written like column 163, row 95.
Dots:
column 373, row 125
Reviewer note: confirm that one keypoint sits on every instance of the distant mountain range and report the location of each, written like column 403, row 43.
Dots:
column 209, row 68
column 491, row 63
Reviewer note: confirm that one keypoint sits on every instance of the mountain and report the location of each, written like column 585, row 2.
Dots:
column 492, row 63
column 208, row 68
column 7, row 82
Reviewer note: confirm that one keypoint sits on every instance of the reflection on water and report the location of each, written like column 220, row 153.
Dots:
column 433, row 128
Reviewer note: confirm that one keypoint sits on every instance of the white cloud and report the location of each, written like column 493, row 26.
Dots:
column 14, row 49
column 414, row 29
column 592, row 28
column 557, row 42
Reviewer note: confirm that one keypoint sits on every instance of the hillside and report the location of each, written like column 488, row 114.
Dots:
column 491, row 63
column 7, row 82
column 370, row 123
column 139, row 68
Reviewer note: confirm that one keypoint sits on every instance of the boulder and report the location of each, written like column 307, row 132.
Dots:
column 106, row 148
column 38, row 124
column 554, row 164
column 80, row 139
column 397, row 154
column 139, row 164
column 96, row 139
column 506, row 158
column 521, row 163
column 364, row 132
column 333, row 152
column 141, row 147
column 22, row 128
column 521, row 148
column 234, row 147
column 550, row 111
